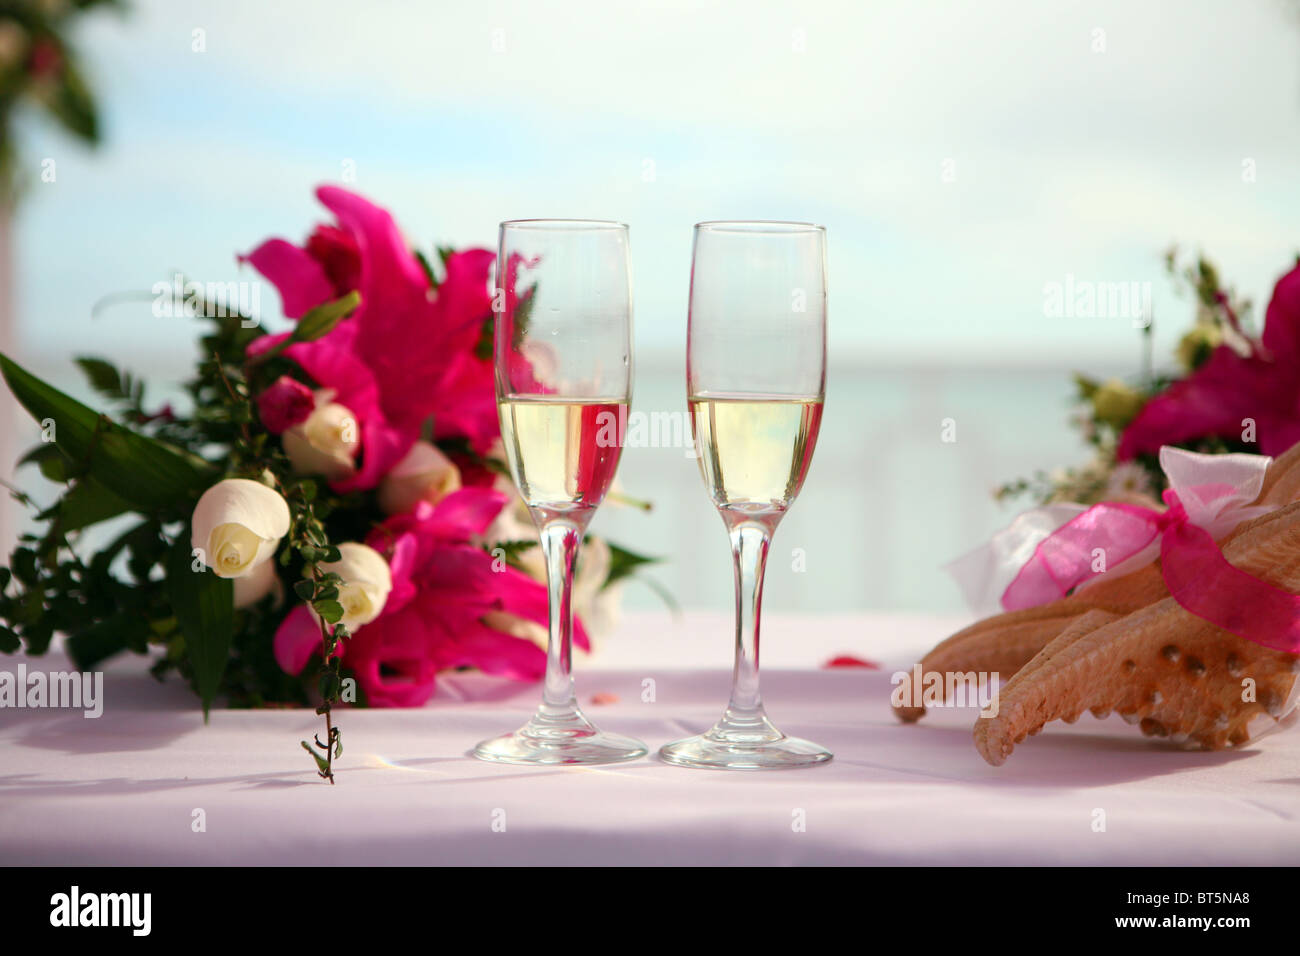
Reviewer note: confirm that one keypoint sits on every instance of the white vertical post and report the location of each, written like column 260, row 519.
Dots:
column 8, row 336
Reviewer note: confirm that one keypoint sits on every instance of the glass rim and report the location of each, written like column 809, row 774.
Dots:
column 759, row 226
column 573, row 224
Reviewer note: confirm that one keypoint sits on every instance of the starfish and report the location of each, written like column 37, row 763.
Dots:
column 1124, row 645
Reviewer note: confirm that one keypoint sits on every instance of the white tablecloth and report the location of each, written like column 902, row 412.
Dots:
column 123, row 789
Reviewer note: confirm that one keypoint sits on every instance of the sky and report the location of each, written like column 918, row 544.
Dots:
column 962, row 156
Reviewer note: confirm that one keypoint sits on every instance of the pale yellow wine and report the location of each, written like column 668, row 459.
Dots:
column 754, row 452
column 562, row 452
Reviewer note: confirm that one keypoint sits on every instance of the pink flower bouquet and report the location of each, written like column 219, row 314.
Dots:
column 328, row 521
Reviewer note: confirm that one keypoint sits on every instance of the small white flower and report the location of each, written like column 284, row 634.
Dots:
column 367, row 582
column 425, row 474
column 327, row 442
column 237, row 525
column 1128, row 479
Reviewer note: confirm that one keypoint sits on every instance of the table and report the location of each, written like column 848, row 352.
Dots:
column 125, row 788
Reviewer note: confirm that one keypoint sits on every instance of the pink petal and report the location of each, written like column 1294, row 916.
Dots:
column 382, row 447
column 464, row 298
column 333, row 362
column 846, row 660
column 497, row 653
column 524, row 597
column 1216, row 398
column 1210, row 401
column 299, row 278
column 297, row 640
column 411, row 339
column 467, row 403
column 284, row 403
column 393, row 659
column 338, row 255
column 466, row 512
column 1282, row 321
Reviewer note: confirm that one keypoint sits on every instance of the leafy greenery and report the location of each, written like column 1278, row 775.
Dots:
column 143, row 589
column 110, row 565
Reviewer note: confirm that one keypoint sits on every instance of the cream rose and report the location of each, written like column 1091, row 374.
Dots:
column 327, row 442
column 367, row 582
column 257, row 584
column 237, row 525
column 425, row 474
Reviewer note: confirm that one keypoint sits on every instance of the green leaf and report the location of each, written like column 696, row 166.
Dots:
column 102, row 376
column 321, row 763
column 147, row 473
column 72, row 104
column 89, row 503
column 322, row 319
column 428, row 268
column 623, row 562
column 204, row 605
column 49, row 459
column 331, row 611
column 23, row 564
column 305, row 589
column 315, row 323
column 328, row 685
column 97, row 643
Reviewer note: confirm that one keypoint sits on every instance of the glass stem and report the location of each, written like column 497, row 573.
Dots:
column 749, row 545
column 560, row 541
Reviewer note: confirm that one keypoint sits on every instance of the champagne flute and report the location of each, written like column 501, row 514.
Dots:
column 563, row 354
column 755, row 379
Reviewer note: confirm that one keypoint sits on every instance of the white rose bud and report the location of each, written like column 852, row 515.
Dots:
column 237, row 525
column 366, row 583
column 425, row 474
column 327, row 442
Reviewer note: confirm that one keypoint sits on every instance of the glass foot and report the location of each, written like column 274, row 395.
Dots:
column 744, row 743
column 560, row 736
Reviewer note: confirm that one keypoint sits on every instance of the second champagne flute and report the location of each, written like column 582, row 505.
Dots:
column 563, row 354
column 755, row 379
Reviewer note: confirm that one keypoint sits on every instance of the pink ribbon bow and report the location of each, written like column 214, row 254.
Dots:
column 1208, row 496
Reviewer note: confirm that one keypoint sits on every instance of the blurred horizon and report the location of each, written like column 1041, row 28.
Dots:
column 963, row 158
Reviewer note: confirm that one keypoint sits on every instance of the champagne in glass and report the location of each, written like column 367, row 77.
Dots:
column 756, row 377
column 755, row 450
column 563, row 355
column 562, row 453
